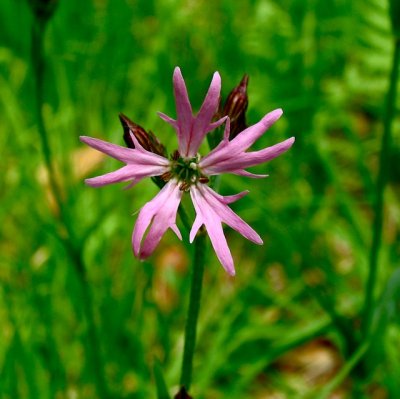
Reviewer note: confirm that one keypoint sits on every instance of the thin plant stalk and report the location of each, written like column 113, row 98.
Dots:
column 193, row 310
column 380, row 189
column 71, row 244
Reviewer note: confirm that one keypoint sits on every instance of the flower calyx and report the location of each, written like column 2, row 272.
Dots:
column 236, row 106
column 147, row 140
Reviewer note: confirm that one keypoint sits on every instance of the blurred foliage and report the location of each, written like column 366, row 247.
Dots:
column 289, row 321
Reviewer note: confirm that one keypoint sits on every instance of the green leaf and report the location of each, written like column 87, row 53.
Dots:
column 162, row 391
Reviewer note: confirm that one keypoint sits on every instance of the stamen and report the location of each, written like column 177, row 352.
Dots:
column 185, row 186
column 166, row 176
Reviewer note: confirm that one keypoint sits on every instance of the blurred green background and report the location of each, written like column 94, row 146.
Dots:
column 80, row 317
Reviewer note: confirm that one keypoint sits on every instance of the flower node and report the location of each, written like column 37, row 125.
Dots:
column 186, row 171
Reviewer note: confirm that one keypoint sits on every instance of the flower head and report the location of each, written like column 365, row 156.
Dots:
column 187, row 172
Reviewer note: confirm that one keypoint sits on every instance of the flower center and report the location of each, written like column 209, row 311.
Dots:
column 186, row 171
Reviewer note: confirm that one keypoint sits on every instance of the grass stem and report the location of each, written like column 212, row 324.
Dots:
column 193, row 311
column 369, row 302
column 71, row 244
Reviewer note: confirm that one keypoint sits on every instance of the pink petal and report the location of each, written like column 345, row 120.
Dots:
column 228, row 199
column 248, row 159
column 245, row 173
column 183, row 107
column 184, row 117
column 126, row 173
column 231, row 156
column 157, row 216
column 127, row 155
column 192, row 130
column 231, row 150
column 211, row 210
column 247, row 137
column 206, row 216
column 168, row 119
column 202, row 122
column 140, row 163
column 117, row 176
column 227, row 216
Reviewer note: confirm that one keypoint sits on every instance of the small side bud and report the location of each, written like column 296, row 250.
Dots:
column 182, row 394
column 146, row 139
column 235, row 107
column 43, row 9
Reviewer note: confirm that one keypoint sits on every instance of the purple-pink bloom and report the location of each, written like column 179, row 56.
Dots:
column 189, row 172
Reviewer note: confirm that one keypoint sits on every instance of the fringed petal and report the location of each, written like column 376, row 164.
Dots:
column 157, row 216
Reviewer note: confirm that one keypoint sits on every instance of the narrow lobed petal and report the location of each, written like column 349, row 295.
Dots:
column 156, row 217
column 127, row 155
column 233, row 150
column 206, row 216
column 117, row 176
column 140, row 163
column 168, row 119
column 202, row 122
column 192, row 130
column 212, row 210
column 184, row 117
column 126, row 173
column 248, row 137
column 236, row 164
column 227, row 216
column 115, row 151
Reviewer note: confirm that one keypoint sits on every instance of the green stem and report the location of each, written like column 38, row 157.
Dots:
column 193, row 310
column 344, row 372
column 38, row 63
column 184, row 218
column 72, row 245
column 380, row 188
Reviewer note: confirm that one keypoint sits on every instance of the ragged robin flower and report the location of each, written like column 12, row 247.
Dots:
column 187, row 172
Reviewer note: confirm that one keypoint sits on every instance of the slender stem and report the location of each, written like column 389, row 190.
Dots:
column 72, row 245
column 380, row 188
column 344, row 371
column 38, row 63
column 184, row 218
column 193, row 310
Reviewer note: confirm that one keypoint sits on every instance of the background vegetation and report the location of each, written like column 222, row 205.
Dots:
column 80, row 317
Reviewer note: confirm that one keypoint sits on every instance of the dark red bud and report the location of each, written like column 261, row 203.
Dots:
column 43, row 9
column 182, row 394
column 146, row 139
column 235, row 107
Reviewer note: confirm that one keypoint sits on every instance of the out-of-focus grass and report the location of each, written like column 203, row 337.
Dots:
column 326, row 64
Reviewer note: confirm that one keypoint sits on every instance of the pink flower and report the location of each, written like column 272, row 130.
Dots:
column 189, row 172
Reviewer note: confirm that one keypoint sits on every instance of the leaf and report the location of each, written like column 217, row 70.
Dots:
column 162, row 390
column 387, row 310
